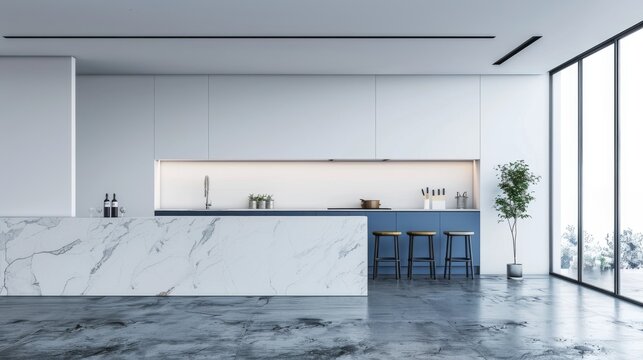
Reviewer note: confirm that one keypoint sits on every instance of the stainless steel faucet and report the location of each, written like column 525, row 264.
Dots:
column 206, row 190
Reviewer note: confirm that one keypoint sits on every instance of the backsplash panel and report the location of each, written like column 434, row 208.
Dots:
column 309, row 184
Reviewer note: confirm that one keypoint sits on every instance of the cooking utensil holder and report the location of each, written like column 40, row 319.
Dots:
column 427, row 203
column 461, row 202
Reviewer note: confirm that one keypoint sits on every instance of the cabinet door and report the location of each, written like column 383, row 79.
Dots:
column 181, row 117
column 428, row 117
column 461, row 221
column 418, row 221
column 115, row 142
column 292, row 117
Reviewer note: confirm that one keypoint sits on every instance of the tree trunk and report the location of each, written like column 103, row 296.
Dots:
column 513, row 222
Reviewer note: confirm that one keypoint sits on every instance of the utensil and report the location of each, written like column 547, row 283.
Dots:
column 370, row 204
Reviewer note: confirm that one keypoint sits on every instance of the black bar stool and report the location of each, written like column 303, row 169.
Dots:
column 430, row 259
column 468, row 253
column 396, row 245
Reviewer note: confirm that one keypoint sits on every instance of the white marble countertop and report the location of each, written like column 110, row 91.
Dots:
column 185, row 255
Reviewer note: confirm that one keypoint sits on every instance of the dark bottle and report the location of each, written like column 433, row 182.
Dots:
column 114, row 206
column 107, row 207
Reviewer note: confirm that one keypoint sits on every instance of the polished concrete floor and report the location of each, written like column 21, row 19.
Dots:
column 487, row 318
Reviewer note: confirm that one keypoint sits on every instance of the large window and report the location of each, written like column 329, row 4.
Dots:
column 596, row 167
column 565, row 171
column 631, row 174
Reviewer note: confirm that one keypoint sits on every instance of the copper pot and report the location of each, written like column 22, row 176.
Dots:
column 370, row 204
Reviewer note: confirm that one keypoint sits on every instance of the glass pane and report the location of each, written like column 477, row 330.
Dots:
column 631, row 133
column 565, row 172
column 598, row 169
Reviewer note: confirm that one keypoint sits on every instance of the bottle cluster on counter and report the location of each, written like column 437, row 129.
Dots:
column 110, row 208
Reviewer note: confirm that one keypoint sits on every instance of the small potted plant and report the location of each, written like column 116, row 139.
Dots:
column 252, row 201
column 270, row 202
column 512, row 202
column 261, row 201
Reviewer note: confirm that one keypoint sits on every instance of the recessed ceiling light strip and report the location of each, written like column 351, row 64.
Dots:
column 278, row 37
column 515, row 51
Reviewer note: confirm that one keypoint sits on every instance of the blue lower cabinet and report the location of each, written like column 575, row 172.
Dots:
column 460, row 221
column 418, row 221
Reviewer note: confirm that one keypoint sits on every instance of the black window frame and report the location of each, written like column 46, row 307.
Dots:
column 615, row 40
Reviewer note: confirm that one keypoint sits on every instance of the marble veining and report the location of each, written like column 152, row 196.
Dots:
column 184, row 256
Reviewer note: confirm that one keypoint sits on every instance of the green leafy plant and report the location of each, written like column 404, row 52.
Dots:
column 252, row 197
column 515, row 178
column 268, row 197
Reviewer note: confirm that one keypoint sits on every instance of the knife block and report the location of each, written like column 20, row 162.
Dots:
column 439, row 202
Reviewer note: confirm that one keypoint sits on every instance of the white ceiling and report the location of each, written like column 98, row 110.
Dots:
column 568, row 27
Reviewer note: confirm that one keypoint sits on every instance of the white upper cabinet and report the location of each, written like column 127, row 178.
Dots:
column 292, row 117
column 431, row 117
column 181, row 117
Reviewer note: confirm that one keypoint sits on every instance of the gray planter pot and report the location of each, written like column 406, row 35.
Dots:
column 261, row 204
column 252, row 204
column 514, row 271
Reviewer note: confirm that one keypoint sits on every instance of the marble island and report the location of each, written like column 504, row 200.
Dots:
column 200, row 255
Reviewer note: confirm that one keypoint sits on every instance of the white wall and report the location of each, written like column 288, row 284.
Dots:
column 37, row 125
column 310, row 185
column 515, row 125
column 116, row 142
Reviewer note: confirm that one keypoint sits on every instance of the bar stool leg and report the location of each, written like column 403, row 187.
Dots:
column 432, row 256
column 473, row 274
column 376, row 254
column 397, row 257
column 450, row 255
column 466, row 254
column 409, row 269
column 446, row 259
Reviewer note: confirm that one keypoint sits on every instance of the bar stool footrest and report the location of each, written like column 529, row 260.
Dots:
column 459, row 259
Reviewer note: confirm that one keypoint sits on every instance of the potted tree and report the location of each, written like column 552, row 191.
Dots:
column 512, row 202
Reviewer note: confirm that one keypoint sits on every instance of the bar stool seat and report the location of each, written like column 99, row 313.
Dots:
column 459, row 233
column 412, row 258
column 387, row 233
column 421, row 233
column 468, row 252
column 396, row 249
